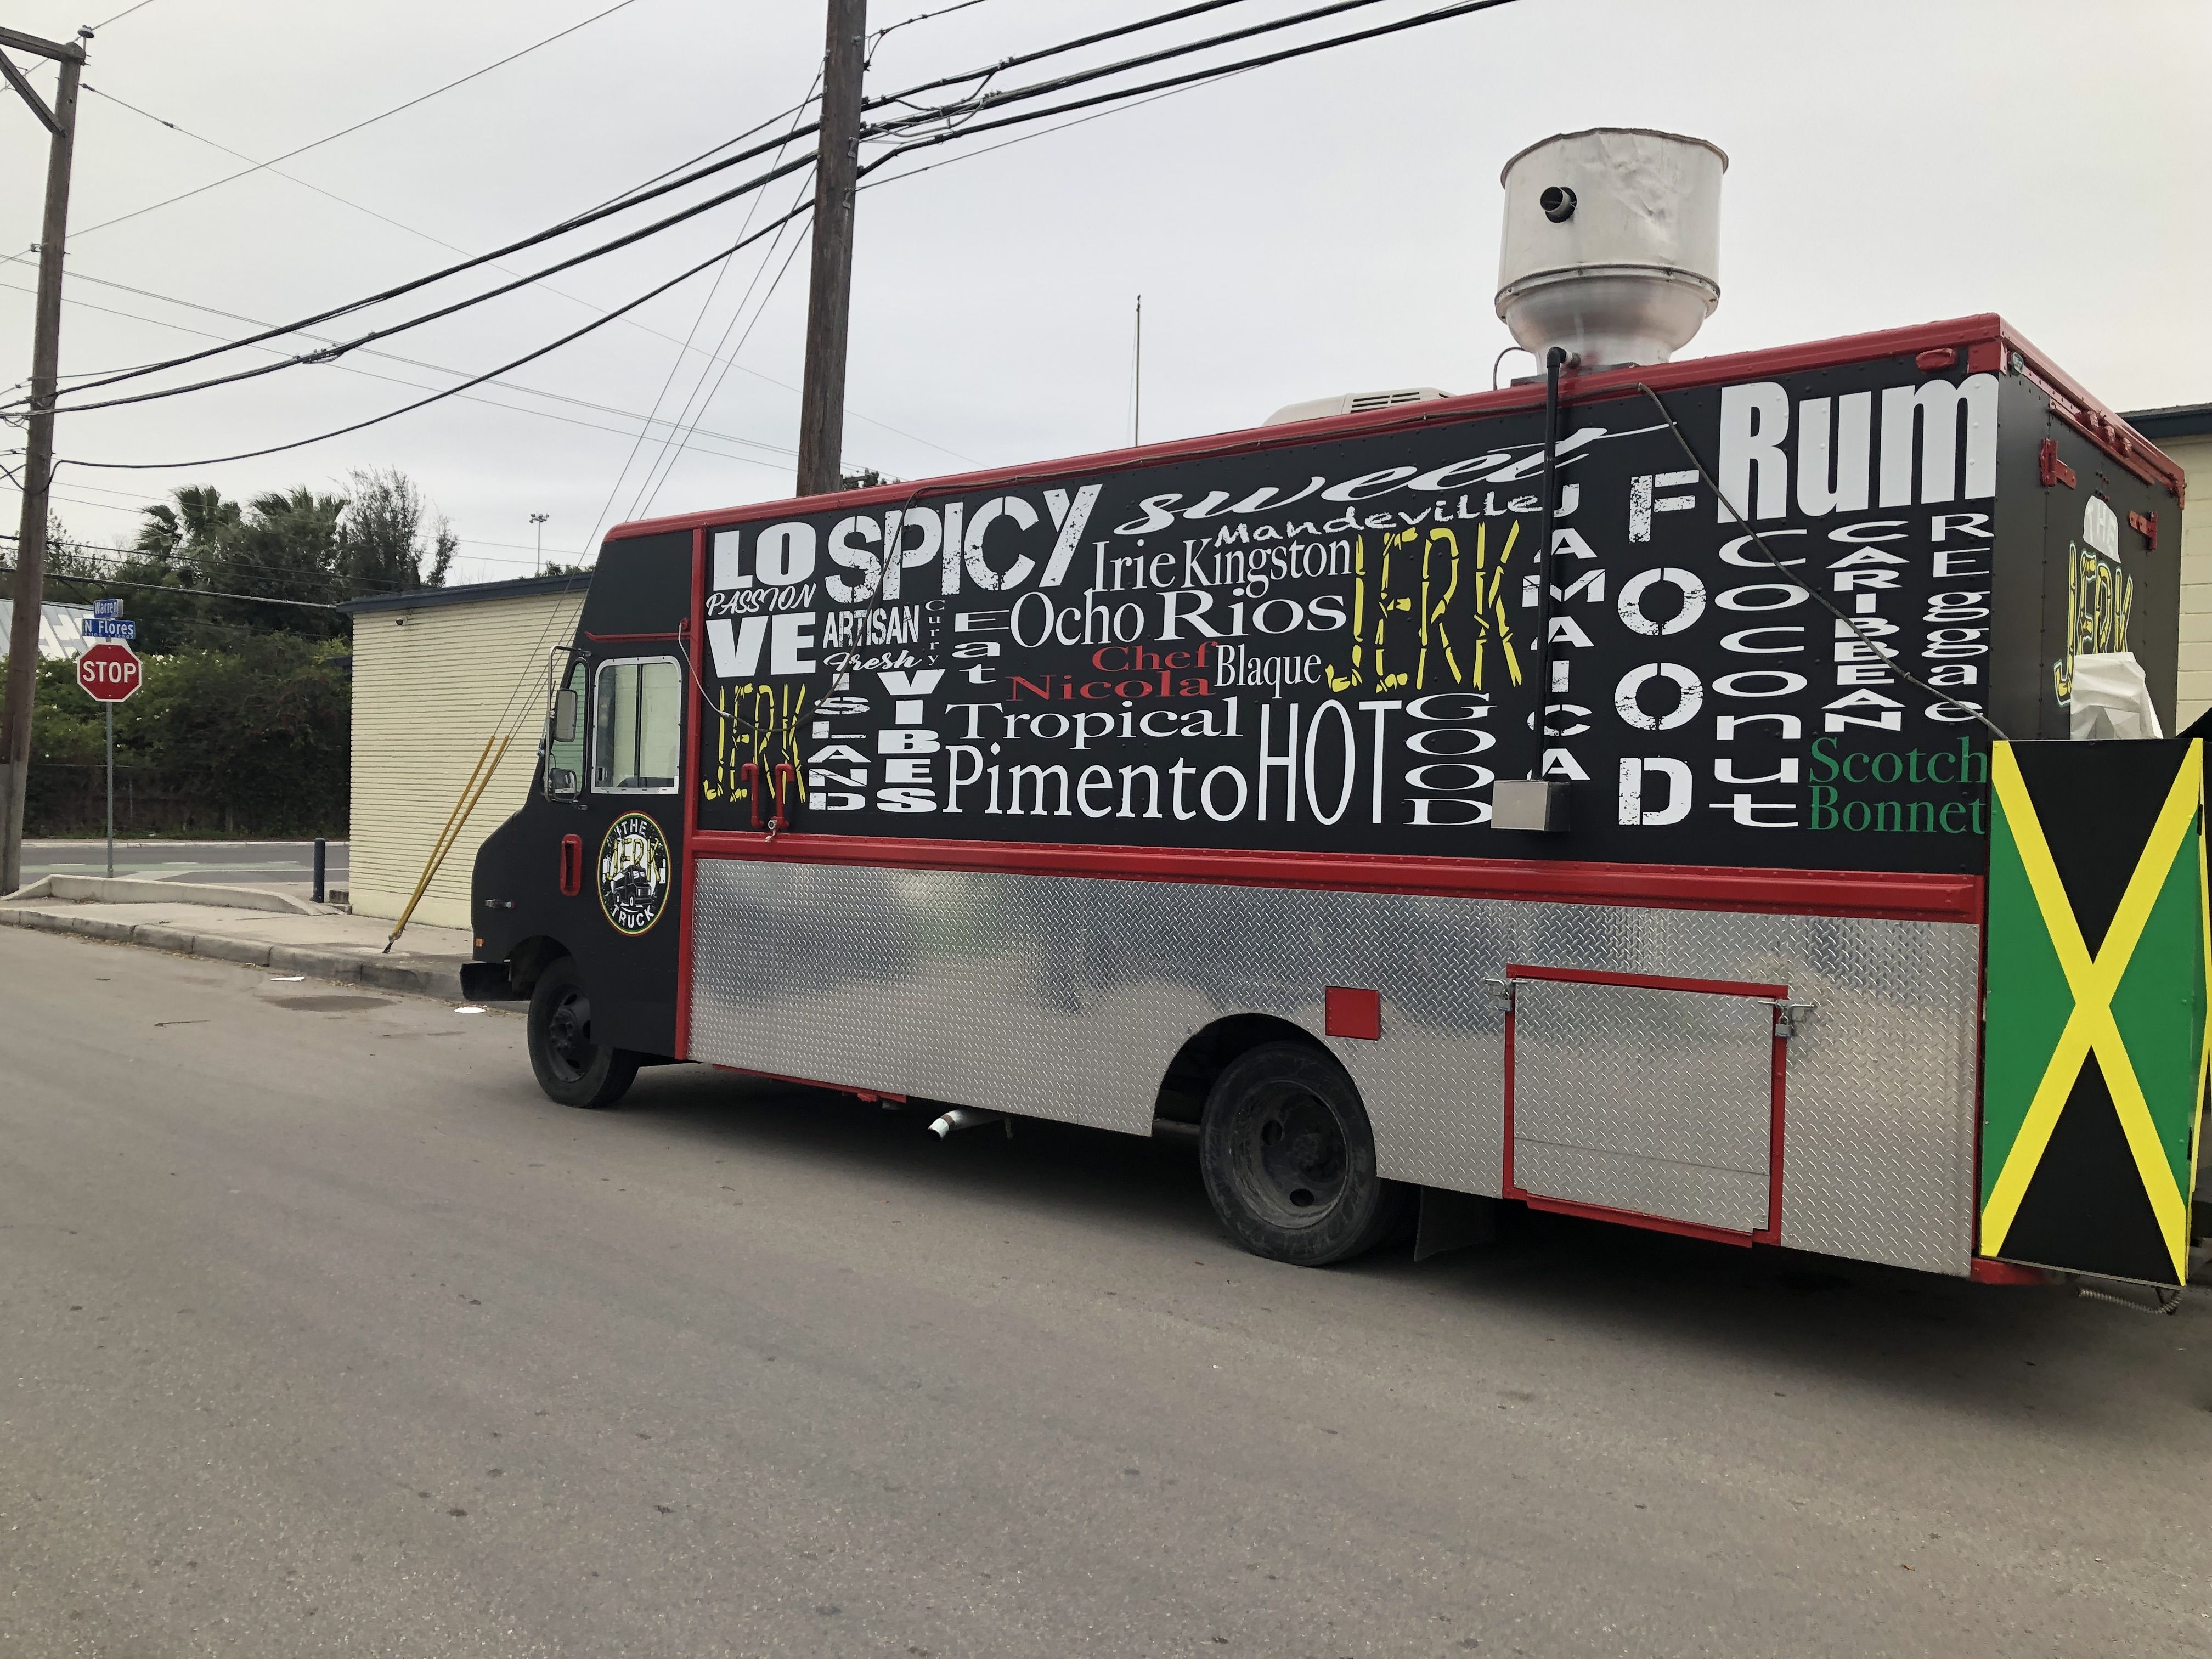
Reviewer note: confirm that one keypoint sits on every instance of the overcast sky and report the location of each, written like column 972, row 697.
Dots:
column 1323, row 226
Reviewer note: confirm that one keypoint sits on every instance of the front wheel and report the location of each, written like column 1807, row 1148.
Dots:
column 571, row 1067
column 1289, row 1159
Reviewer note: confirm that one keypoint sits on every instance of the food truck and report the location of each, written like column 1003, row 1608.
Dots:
column 1671, row 793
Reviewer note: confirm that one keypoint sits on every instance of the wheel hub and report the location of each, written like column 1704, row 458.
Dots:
column 568, row 1034
column 1296, row 1158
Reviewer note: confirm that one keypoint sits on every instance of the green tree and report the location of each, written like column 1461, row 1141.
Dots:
column 255, row 738
column 381, row 545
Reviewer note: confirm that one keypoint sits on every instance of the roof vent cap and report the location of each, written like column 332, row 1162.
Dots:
column 1611, row 247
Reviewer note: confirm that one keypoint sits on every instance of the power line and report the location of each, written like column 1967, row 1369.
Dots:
column 673, row 452
column 199, row 592
column 647, row 420
column 328, row 352
column 398, row 224
column 1004, row 64
column 672, row 449
column 120, row 16
column 1023, row 138
column 1060, row 83
column 375, row 420
column 676, row 366
column 593, row 216
column 575, row 222
column 343, row 131
column 1216, row 72
column 888, row 28
column 200, row 563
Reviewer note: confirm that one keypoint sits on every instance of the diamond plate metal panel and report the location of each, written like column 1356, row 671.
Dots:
column 1730, row 1198
column 1637, row 1098
column 1066, row 997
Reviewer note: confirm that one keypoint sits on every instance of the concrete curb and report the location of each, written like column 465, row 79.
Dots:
column 430, row 976
column 137, row 890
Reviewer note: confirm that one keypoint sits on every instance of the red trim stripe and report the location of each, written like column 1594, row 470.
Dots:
column 1898, row 896
column 1656, row 1223
column 695, row 626
column 1986, row 330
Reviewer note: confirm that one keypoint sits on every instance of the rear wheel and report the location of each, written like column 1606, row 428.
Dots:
column 571, row 1067
column 1289, row 1159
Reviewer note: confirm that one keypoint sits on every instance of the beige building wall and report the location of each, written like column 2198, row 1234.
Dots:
column 2193, row 694
column 429, row 686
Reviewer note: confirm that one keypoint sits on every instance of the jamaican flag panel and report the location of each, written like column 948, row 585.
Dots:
column 2094, row 1057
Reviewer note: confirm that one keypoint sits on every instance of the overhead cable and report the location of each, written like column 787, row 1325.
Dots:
column 1442, row 14
column 676, row 366
column 1019, row 58
column 342, row 132
column 120, row 16
column 377, row 419
column 327, row 354
column 649, row 421
column 592, row 215
column 1438, row 15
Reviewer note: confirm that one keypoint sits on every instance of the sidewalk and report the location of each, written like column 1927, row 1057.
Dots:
column 426, row 961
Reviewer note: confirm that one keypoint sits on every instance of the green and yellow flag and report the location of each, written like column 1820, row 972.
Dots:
column 2094, row 1042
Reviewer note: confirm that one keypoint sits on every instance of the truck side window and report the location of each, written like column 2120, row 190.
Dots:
column 636, row 722
column 564, row 735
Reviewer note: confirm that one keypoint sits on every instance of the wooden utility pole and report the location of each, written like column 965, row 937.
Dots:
column 829, row 296
column 60, row 123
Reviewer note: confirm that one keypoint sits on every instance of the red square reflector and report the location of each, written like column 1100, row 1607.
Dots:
column 1354, row 1013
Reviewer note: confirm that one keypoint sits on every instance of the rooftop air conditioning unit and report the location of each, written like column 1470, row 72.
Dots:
column 1351, row 403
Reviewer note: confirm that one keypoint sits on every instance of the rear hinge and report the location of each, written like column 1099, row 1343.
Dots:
column 2146, row 526
column 2050, row 468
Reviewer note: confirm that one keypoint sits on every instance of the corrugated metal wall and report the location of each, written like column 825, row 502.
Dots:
column 2193, row 694
column 429, row 686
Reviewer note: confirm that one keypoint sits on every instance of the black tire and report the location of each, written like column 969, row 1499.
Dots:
column 571, row 1068
column 1289, row 1159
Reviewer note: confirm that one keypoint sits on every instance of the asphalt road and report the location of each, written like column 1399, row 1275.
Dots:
column 321, row 1332
column 255, row 863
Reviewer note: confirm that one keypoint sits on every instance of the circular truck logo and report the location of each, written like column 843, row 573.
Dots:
column 634, row 872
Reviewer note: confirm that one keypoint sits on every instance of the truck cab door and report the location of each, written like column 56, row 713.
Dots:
column 621, row 860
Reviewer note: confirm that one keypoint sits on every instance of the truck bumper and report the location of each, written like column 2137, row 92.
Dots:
column 488, row 981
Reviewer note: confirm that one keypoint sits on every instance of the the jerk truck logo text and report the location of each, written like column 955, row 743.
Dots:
column 1340, row 645
column 633, row 869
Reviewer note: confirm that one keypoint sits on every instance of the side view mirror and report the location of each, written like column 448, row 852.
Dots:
column 564, row 717
column 560, row 781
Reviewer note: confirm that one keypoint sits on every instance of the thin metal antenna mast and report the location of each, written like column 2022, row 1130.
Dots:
column 1137, row 393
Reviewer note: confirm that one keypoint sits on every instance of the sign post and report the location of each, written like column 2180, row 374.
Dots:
column 110, row 672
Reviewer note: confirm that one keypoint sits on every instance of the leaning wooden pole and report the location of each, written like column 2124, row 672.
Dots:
column 495, row 750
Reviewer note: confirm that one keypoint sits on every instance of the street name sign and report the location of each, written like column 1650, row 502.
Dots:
column 109, row 628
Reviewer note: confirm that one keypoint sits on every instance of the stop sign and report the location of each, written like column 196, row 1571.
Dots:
column 109, row 672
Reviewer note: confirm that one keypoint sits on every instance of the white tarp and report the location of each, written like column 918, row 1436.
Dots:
column 2111, row 697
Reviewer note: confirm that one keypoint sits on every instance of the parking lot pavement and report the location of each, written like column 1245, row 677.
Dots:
column 255, row 862
column 325, row 1333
